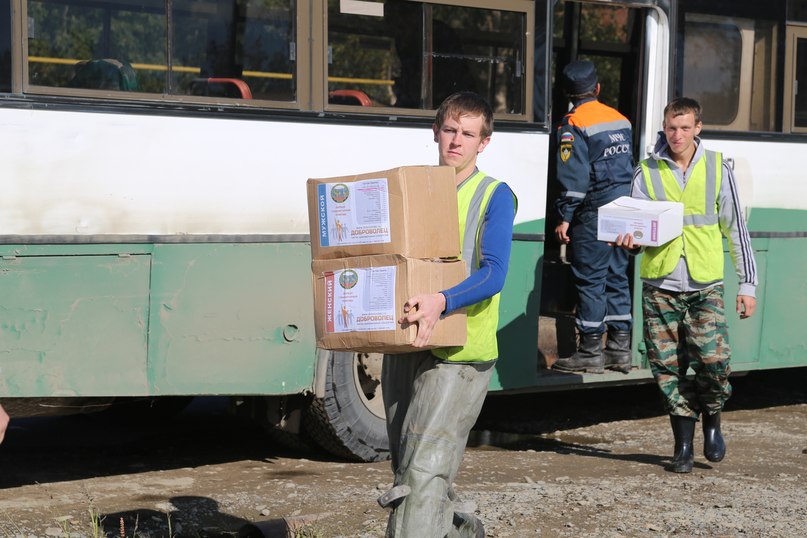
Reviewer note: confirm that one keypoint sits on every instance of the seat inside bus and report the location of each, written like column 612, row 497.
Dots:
column 104, row 74
column 220, row 87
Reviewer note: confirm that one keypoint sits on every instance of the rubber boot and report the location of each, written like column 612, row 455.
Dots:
column 466, row 526
column 588, row 358
column 684, row 432
column 617, row 351
column 714, row 446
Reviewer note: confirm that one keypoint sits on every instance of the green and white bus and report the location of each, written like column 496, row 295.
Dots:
column 153, row 219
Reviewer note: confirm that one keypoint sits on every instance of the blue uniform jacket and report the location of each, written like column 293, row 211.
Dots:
column 595, row 158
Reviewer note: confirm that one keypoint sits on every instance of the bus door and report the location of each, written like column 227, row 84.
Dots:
column 610, row 36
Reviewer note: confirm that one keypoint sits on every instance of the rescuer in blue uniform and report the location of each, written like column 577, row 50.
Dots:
column 594, row 167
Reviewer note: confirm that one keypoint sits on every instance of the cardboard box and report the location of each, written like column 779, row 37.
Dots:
column 652, row 223
column 358, row 301
column 411, row 210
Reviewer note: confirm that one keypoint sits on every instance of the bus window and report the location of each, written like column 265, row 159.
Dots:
column 608, row 36
column 414, row 54
column 737, row 86
column 795, row 102
column 800, row 99
column 248, row 40
column 715, row 78
column 5, row 47
column 252, row 40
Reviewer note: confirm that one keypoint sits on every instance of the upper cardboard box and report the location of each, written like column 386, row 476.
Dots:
column 411, row 211
column 652, row 223
column 358, row 301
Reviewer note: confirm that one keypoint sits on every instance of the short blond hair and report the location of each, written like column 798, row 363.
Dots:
column 466, row 104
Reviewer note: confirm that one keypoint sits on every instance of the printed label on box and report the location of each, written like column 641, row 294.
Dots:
column 622, row 226
column 360, row 300
column 354, row 213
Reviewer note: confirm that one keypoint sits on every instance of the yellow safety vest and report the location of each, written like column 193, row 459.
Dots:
column 481, row 345
column 701, row 243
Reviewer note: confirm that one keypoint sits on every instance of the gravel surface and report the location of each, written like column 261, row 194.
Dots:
column 584, row 464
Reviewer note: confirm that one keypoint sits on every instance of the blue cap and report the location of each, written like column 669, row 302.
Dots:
column 579, row 77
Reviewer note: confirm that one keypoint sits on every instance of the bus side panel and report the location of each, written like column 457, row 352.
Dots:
column 783, row 331
column 518, row 318
column 73, row 325
column 231, row 319
column 745, row 335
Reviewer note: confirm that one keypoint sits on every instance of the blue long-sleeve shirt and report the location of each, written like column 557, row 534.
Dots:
column 494, row 256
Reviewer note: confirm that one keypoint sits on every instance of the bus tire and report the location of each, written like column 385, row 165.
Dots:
column 348, row 421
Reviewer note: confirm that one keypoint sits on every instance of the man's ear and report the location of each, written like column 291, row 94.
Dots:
column 435, row 129
column 483, row 145
column 698, row 127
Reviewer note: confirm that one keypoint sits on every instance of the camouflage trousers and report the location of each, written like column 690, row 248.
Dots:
column 683, row 330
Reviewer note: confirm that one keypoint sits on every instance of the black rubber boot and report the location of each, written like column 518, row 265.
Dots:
column 468, row 526
column 588, row 358
column 617, row 351
column 714, row 446
column 684, row 432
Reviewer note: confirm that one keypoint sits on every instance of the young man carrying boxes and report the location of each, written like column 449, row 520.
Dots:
column 432, row 399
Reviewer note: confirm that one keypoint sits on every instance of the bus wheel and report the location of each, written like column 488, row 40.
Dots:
column 349, row 420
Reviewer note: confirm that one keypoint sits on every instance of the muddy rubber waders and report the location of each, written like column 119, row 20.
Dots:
column 431, row 407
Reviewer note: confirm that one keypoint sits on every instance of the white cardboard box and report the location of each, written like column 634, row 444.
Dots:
column 652, row 223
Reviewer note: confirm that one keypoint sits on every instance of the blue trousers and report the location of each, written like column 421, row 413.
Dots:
column 601, row 277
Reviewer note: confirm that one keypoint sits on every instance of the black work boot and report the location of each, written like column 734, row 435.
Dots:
column 684, row 432
column 714, row 447
column 588, row 358
column 617, row 351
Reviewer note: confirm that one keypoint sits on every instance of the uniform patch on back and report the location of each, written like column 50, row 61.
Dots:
column 566, row 140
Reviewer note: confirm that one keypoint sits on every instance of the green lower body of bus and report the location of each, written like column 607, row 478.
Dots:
column 237, row 318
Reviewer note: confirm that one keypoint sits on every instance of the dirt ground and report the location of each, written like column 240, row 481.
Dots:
column 583, row 464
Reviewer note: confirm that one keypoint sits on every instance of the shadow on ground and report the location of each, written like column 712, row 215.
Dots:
column 549, row 412
column 64, row 448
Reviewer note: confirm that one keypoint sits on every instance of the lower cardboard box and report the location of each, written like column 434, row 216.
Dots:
column 358, row 301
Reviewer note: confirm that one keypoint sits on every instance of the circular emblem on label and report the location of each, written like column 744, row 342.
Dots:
column 339, row 193
column 638, row 234
column 348, row 279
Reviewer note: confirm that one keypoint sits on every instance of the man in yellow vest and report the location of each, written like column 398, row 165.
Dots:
column 682, row 294
column 433, row 398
